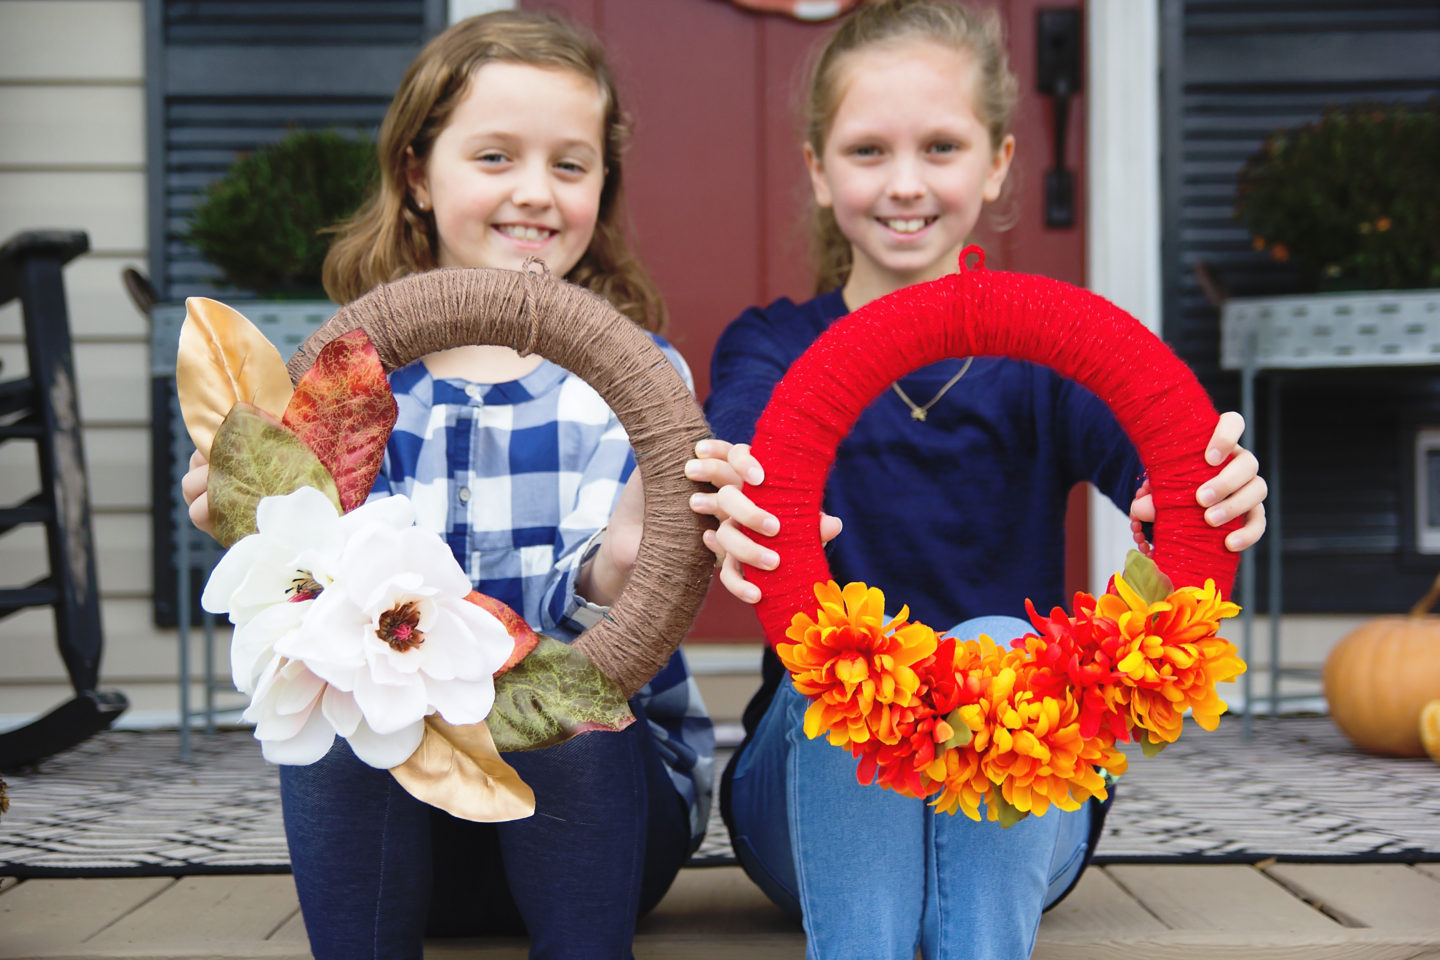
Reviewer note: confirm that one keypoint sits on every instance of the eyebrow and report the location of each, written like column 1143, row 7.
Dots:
column 567, row 146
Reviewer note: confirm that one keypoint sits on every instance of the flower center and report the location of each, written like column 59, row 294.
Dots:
column 398, row 627
column 303, row 587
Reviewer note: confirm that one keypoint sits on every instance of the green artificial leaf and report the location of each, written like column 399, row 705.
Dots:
column 550, row 696
column 343, row 409
column 1147, row 579
column 1005, row 811
column 1151, row 748
column 254, row 457
column 963, row 734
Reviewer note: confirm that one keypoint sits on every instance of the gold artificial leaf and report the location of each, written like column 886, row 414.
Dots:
column 458, row 769
column 223, row 359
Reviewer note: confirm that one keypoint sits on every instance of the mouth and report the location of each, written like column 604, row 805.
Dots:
column 906, row 226
column 525, row 233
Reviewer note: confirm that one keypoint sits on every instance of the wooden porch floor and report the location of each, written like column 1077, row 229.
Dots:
column 1223, row 912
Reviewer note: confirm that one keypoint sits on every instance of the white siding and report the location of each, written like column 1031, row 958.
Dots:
column 72, row 156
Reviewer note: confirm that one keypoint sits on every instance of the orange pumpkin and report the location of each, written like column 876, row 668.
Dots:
column 1382, row 674
column 1430, row 729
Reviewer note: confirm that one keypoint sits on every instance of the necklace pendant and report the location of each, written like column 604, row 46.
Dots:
column 917, row 414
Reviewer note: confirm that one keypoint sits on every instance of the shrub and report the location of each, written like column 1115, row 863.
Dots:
column 262, row 223
column 1353, row 198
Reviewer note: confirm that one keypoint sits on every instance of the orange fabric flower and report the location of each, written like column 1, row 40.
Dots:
column 1171, row 656
column 1012, row 730
column 848, row 659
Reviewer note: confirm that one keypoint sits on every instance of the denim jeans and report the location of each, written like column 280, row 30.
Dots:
column 377, row 870
column 873, row 875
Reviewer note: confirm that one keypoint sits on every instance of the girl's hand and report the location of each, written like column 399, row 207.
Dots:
column 727, row 467
column 602, row 579
column 192, row 488
column 1236, row 490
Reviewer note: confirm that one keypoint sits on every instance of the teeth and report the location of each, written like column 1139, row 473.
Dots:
column 907, row 226
column 531, row 234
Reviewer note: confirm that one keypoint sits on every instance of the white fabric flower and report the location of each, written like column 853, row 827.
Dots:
column 356, row 624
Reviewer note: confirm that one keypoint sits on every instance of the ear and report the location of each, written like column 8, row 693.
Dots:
column 416, row 180
column 999, row 168
column 818, row 184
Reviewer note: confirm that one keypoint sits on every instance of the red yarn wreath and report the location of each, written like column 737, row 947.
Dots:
column 978, row 312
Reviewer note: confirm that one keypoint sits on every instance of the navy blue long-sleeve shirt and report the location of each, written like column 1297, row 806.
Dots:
column 960, row 515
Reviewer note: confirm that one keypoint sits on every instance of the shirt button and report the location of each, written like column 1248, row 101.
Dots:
column 464, row 494
column 474, row 391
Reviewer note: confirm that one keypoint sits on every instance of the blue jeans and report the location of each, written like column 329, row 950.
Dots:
column 377, row 870
column 874, row 875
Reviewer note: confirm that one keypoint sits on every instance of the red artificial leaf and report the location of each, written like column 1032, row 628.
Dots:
column 525, row 638
column 343, row 409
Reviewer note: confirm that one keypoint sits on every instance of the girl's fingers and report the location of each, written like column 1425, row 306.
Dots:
column 1249, row 534
column 1225, row 438
column 196, row 460
column 736, row 544
column 193, row 484
column 717, row 473
column 731, row 500
column 200, row 513
column 1239, row 473
column 830, row 527
column 1239, row 503
column 733, row 579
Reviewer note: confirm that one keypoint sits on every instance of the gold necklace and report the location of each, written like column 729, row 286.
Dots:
column 918, row 413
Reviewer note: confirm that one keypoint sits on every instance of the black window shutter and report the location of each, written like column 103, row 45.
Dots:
column 224, row 77
column 1234, row 71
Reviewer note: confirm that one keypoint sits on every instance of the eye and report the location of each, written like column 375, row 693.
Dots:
column 944, row 147
column 491, row 157
column 571, row 167
column 865, row 151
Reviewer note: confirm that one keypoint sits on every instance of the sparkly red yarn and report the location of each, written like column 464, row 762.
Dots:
column 978, row 312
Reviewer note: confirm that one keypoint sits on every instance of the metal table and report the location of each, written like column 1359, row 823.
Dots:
column 1315, row 332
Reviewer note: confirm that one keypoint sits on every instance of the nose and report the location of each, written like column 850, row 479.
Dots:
column 533, row 186
column 906, row 182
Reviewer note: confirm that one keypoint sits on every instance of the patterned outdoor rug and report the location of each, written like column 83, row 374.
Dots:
column 123, row 804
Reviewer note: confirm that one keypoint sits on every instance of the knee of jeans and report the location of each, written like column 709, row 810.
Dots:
column 1001, row 629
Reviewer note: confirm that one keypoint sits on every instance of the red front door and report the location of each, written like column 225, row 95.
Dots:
column 717, row 187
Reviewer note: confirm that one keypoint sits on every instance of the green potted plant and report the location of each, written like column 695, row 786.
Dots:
column 1350, row 199
column 264, row 223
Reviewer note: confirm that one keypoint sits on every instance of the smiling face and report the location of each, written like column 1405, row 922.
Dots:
column 907, row 164
column 518, row 170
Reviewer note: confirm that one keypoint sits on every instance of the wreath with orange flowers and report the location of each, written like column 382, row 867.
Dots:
column 1011, row 728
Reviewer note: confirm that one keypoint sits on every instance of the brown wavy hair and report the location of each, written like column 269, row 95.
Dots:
column 389, row 237
column 891, row 22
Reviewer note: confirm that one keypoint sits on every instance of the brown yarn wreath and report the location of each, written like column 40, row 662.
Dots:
column 572, row 327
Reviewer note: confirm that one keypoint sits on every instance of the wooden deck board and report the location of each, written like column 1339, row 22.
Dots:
column 207, row 909
column 1099, row 907
column 1384, row 896
column 1219, row 913
column 1231, row 897
column 39, row 914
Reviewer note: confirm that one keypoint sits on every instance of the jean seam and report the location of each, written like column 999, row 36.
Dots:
column 380, row 880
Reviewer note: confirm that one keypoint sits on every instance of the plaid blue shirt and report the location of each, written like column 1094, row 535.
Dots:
column 520, row 478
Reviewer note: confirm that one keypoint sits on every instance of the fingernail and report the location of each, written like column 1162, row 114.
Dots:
column 702, row 449
column 755, row 475
column 752, row 594
column 1213, row 456
column 1232, row 542
column 1207, row 496
column 770, row 526
column 692, row 468
column 1215, row 517
column 771, row 560
column 697, row 500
